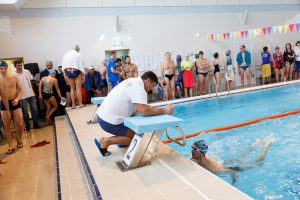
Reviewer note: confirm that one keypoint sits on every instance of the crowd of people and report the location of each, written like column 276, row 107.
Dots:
column 194, row 76
column 74, row 84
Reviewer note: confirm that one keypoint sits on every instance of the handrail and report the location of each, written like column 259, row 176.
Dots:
column 222, row 128
column 183, row 136
column 227, row 84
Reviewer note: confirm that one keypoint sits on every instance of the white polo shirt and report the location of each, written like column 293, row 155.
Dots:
column 73, row 59
column 25, row 79
column 119, row 103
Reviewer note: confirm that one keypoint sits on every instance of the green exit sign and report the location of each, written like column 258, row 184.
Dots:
column 118, row 43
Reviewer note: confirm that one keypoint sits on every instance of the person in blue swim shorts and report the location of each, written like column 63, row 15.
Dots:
column 243, row 60
column 127, row 98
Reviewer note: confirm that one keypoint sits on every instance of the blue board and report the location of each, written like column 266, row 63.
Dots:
column 141, row 125
column 97, row 100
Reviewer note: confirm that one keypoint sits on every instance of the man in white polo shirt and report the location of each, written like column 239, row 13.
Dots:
column 127, row 98
column 25, row 78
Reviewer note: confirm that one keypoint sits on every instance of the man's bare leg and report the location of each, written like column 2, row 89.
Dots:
column 124, row 140
column 18, row 118
column 249, row 149
column 265, row 149
column 7, row 132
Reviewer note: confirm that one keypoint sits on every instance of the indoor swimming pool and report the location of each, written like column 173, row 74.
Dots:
column 278, row 176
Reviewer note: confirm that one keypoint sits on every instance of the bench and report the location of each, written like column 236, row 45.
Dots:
column 148, row 133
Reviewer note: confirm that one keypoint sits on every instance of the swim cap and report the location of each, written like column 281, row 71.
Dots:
column 202, row 146
column 52, row 71
column 3, row 63
column 227, row 52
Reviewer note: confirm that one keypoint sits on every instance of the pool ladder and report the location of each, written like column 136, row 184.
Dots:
column 215, row 84
column 183, row 136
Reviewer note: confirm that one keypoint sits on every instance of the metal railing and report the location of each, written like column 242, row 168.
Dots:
column 183, row 136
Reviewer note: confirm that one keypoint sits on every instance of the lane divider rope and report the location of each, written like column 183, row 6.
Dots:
column 222, row 128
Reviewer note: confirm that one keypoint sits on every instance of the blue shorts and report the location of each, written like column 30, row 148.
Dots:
column 73, row 74
column 178, row 83
column 117, row 130
column 297, row 66
column 114, row 83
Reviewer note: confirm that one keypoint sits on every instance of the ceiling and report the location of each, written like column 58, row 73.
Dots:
column 17, row 4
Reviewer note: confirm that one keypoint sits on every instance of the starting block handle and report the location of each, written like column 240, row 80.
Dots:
column 183, row 136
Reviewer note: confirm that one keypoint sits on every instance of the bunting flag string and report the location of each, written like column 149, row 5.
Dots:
column 268, row 30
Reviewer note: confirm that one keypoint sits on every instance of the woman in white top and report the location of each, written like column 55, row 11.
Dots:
column 72, row 67
column 297, row 60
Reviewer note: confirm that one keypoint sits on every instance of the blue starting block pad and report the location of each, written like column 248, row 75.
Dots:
column 97, row 100
column 141, row 125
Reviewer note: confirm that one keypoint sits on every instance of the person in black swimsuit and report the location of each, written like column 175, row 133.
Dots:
column 169, row 76
column 12, row 107
column 11, row 92
column 217, row 70
column 289, row 59
column 168, row 69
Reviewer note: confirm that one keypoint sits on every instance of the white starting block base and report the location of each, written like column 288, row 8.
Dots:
column 96, row 101
column 140, row 151
column 148, row 133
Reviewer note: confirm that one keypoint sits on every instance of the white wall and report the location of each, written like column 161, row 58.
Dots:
column 38, row 39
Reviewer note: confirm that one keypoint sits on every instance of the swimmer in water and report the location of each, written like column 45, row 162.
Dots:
column 199, row 150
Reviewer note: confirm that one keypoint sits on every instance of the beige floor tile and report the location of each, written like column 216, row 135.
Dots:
column 144, row 193
column 22, row 177
column 210, row 188
column 184, row 194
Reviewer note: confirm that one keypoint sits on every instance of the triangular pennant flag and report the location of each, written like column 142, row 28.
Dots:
column 280, row 29
column 250, row 33
column 228, row 35
column 264, row 31
column 298, row 26
column 269, row 29
column 224, row 35
column 235, row 35
column 246, row 33
column 212, row 36
column 286, row 27
column 242, row 33
column 207, row 36
column 258, row 31
column 291, row 26
column 275, row 28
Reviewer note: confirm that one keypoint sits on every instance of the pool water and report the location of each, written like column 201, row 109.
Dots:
column 278, row 177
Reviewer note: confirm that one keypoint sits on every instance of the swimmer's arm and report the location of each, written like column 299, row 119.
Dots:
column 146, row 110
column 135, row 71
column 162, row 70
column 4, row 99
column 57, row 88
column 40, row 87
column 124, row 73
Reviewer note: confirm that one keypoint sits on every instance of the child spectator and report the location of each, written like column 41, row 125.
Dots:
column 266, row 65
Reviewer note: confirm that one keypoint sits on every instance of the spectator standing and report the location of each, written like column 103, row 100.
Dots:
column 266, row 65
column 244, row 64
column 74, row 73
column 297, row 60
column 288, row 59
column 28, row 97
column 278, row 64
